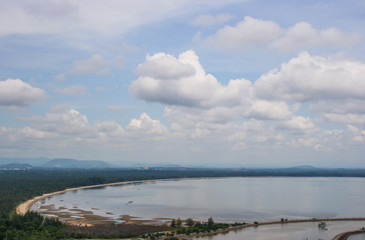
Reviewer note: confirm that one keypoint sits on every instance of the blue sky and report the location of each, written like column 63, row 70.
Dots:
column 214, row 83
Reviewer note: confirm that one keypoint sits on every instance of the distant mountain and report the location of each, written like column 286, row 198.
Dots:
column 72, row 163
column 15, row 166
column 30, row 161
column 304, row 168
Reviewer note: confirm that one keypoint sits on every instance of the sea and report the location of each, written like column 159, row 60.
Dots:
column 237, row 199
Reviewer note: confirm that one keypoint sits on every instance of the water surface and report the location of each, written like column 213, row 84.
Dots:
column 292, row 231
column 224, row 199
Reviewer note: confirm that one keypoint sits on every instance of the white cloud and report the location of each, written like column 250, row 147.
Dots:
column 206, row 19
column 15, row 92
column 252, row 32
column 96, row 64
column 308, row 78
column 246, row 34
column 306, row 142
column 165, row 67
column 147, row 126
column 65, row 122
column 348, row 111
column 186, row 83
column 67, row 129
column 297, row 123
column 110, row 129
column 349, row 118
column 33, row 133
column 78, row 18
column 340, row 106
column 262, row 109
column 51, row 10
column 73, row 90
column 302, row 36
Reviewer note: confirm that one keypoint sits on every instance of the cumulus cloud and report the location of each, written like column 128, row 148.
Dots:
column 261, row 109
column 348, row 118
column 146, row 125
column 307, row 78
column 110, row 129
column 297, row 123
column 65, row 122
column 64, row 130
column 246, row 34
column 206, row 19
column 165, row 67
column 33, row 133
column 183, row 81
column 96, row 64
column 15, row 92
column 252, row 32
column 73, row 90
column 198, row 106
column 302, row 36
column 347, row 111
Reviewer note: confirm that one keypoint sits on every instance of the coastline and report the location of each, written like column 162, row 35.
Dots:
column 24, row 207
column 340, row 236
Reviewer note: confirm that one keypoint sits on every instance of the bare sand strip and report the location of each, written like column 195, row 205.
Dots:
column 24, row 207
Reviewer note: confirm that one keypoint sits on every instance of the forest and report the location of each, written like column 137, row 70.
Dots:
column 19, row 186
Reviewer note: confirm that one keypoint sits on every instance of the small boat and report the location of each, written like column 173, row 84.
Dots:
column 322, row 224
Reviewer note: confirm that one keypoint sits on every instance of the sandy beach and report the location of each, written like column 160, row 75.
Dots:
column 24, row 207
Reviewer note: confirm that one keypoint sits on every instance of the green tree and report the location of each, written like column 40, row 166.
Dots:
column 210, row 221
column 190, row 222
column 173, row 223
column 178, row 222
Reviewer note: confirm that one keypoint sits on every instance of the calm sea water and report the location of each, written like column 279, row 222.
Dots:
column 292, row 231
column 357, row 237
column 224, row 199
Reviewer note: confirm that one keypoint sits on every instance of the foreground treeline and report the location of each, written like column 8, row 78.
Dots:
column 19, row 186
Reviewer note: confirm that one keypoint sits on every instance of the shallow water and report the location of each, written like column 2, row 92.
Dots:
column 291, row 231
column 224, row 199
column 357, row 237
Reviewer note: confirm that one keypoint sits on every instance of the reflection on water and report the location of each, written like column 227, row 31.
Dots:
column 225, row 199
column 357, row 237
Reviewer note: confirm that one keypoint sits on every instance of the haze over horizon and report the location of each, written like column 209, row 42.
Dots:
column 233, row 83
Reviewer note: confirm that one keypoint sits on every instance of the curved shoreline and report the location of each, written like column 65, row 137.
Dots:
column 24, row 207
column 346, row 235
column 341, row 236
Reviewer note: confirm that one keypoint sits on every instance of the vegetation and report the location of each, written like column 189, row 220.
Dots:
column 191, row 227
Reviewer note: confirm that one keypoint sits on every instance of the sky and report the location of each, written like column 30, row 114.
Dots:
column 235, row 83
